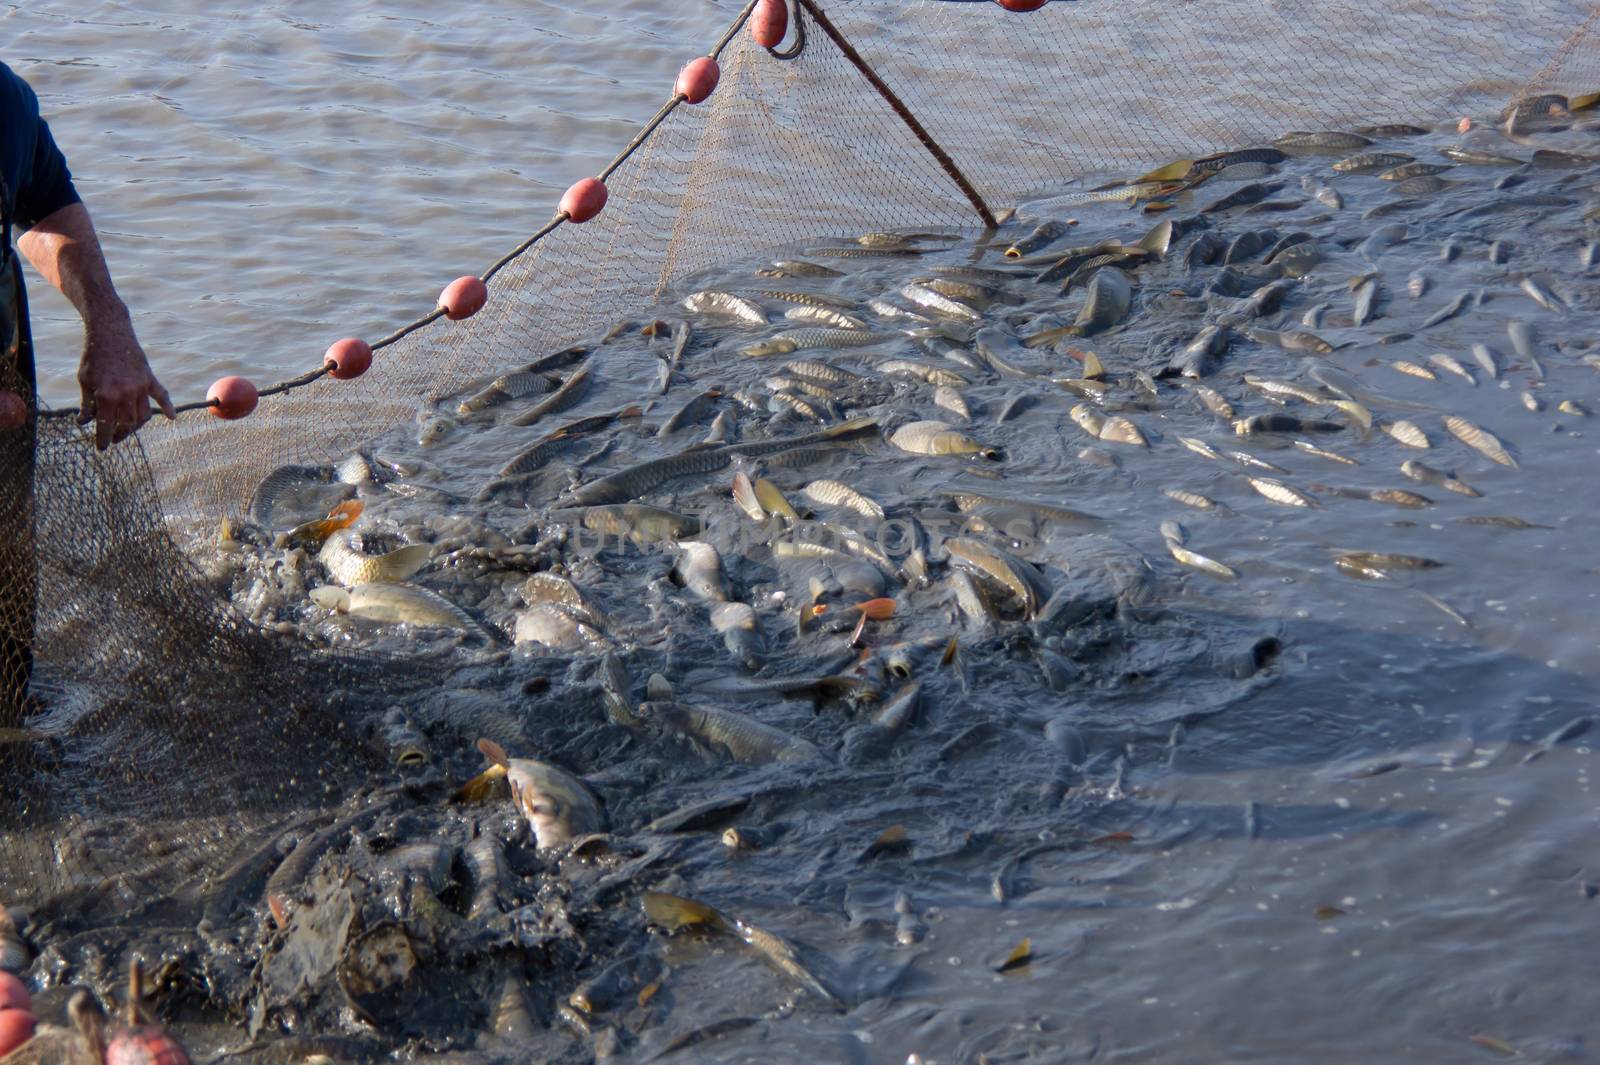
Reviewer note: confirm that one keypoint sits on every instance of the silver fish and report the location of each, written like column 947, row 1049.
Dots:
column 1479, row 439
column 727, row 734
column 725, row 305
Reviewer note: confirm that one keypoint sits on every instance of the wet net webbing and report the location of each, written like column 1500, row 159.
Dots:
column 158, row 700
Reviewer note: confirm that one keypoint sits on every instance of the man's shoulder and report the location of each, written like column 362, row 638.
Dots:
column 17, row 98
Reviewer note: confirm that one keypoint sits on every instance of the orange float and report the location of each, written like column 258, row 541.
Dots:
column 14, row 993
column 769, row 22
column 698, row 79
column 16, row 1028
column 348, row 358
column 232, row 397
column 144, row 1046
column 463, row 297
column 13, row 412
column 584, row 199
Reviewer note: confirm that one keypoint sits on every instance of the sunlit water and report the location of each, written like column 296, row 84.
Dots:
column 1369, row 849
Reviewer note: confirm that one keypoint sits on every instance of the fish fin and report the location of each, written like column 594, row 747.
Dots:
column 480, row 787
column 401, row 564
column 1173, row 171
column 1049, row 336
column 880, row 609
column 494, row 752
column 346, row 512
column 949, row 655
column 675, row 913
column 773, row 501
column 744, row 494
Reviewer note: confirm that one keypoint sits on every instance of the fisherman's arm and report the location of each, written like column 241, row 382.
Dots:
column 60, row 241
column 118, row 385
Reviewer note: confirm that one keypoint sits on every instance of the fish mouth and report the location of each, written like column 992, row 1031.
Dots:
column 411, row 757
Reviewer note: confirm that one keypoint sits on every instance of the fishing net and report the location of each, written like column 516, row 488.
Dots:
column 154, row 699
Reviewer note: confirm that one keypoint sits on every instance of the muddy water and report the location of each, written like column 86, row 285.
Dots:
column 1289, row 814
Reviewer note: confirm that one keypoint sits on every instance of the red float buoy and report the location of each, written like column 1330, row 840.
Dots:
column 348, row 358
column 145, row 1046
column 463, row 297
column 698, row 79
column 584, row 199
column 1022, row 5
column 231, row 397
column 13, row 412
column 769, row 23
column 14, row 993
column 16, row 1028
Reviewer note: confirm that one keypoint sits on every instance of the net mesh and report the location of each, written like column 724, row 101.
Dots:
column 156, row 699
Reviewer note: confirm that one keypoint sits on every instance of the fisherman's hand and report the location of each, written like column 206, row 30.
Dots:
column 118, row 386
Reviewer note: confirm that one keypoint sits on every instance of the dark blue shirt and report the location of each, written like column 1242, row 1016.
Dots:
column 34, row 180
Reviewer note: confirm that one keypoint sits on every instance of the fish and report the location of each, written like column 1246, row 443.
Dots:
column 315, row 533
column 635, row 481
column 1272, row 387
column 926, row 371
column 1201, row 356
column 674, row 913
column 1244, row 195
column 1321, row 140
column 634, row 521
column 1214, row 402
column 1219, row 161
column 1450, row 310
column 1413, row 169
column 570, row 391
column 1408, row 433
column 1110, row 295
column 1322, row 192
column 692, row 410
column 947, row 399
column 819, row 300
column 1399, row 497
column 1119, row 430
column 1379, row 563
column 1479, row 439
column 1195, row 560
column 1371, row 162
column 1191, row 499
column 349, row 566
column 1421, row 185
column 1200, row 447
column 699, row 568
column 939, row 438
column 1474, row 157
column 730, row 735
column 823, row 316
column 938, row 303
column 1311, row 449
column 803, row 339
column 1419, row 471
column 772, row 500
column 1021, row 578
column 408, row 604
column 1540, row 294
column 1044, row 234
column 1284, row 423
column 1450, row 364
column 725, row 305
column 558, row 807
column 1366, row 301
column 505, row 388
column 837, row 494
column 1417, row 284
column 741, row 632
column 1280, row 493
column 1573, row 407
column 1291, row 340
column 557, row 626
column 1412, row 369
column 798, row 268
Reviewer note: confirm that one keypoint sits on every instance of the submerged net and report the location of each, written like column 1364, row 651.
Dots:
column 157, row 700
